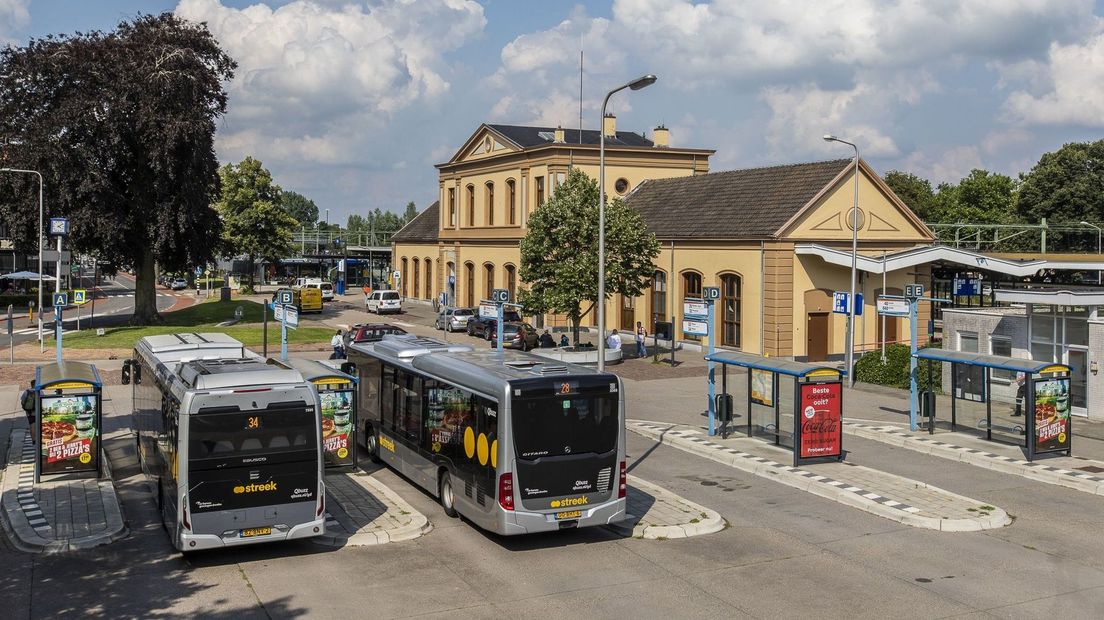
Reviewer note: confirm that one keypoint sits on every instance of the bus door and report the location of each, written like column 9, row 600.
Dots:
column 462, row 431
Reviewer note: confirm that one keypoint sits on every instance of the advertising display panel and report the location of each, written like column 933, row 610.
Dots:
column 69, row 433
column 1052, row 415
column 820, row 426
column 762, row 387
column 337, row 427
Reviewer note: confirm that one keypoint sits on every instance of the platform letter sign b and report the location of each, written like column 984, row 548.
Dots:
column 500, row 296
column 285, row 298
column 710, row 293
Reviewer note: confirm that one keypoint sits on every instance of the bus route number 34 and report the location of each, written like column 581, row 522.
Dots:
column 253, row 422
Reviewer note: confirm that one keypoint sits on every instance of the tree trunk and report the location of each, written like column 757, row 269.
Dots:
column 145, row 295
column 574, row 318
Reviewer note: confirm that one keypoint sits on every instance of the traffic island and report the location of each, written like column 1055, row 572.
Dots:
column 886, row 495
column 362, row 512
column 58, row 515
column 654, row 513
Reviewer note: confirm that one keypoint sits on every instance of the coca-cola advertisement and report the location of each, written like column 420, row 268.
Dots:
column 819, row 416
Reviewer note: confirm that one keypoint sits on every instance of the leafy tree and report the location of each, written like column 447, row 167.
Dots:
column 121, row 125
column 254, row 225
column 914, row 191
column 299, row 207
column 1066, row 185
column 410, row 213
column 559, row 253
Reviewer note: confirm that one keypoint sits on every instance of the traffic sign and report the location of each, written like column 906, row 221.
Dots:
column 893, row 307
column 79, row 296
column 396, row 275
column 199, row 271
column 711, row 292
column 500, row 296
column 52, row 256
column 914, row 290
column 61, row 300
column 284, row 297
column 75, row 269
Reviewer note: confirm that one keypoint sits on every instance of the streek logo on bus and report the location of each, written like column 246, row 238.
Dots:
column 255, row 488
column 571, row 501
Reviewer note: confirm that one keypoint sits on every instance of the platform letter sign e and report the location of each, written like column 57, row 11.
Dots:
column 914, row 290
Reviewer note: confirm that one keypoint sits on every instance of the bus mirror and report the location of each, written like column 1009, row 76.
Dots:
column 348, row 368
column 126, row 372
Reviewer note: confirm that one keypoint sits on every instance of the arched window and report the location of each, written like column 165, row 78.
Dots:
column 511, row 202
column 469, row 291
column 511, row 282
column 730, row 310
column 414, row 288
column 489, row 189
column 428, row 278
column 488, row 270
column 402, row 277
column 659, row 295
column 471, row 205
column 452, row 207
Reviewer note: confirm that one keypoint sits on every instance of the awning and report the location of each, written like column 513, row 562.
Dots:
column 999, row 362
column 772, row 364
column 1054, row 297
column 928, row 254
column 26, row 275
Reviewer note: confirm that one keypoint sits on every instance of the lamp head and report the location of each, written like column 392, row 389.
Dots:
column 1084, row 223
column 643, row 82
column 830, row 138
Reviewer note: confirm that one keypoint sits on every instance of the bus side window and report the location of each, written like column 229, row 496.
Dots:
column 387, row 399
column 369, row 370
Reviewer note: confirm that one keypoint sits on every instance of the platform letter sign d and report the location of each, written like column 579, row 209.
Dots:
column 711, row 292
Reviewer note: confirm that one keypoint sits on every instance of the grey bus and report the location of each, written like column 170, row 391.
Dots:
column 230, row 443
column 514, row 442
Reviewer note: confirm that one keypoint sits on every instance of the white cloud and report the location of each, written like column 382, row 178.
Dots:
column 13, row 18
column 1072, row 93
column 949, row 166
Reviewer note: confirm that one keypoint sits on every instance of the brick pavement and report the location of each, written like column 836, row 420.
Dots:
column 887, row 495
column 361, row 511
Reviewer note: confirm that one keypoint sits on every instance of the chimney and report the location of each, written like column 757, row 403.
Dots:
column 609, row 126
column 559, row 138
column 661, row 137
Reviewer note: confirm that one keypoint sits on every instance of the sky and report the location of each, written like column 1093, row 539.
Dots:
column 352, row 102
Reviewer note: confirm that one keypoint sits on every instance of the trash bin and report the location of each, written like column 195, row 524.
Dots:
column 224, row 293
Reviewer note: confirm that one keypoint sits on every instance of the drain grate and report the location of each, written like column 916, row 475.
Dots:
column 1092, row 469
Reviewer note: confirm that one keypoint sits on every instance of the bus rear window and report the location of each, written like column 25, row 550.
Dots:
column 555, row 426
column 238, row 437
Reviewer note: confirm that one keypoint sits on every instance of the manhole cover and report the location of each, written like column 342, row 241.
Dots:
column 1092, row 469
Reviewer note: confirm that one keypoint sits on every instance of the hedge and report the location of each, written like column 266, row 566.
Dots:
column 895, row 371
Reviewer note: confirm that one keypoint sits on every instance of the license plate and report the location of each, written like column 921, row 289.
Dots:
column 570, row 514
column 256, row 531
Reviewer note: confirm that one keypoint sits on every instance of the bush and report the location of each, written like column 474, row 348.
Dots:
column 20, row 300
column 245, row 289
column 895, row 371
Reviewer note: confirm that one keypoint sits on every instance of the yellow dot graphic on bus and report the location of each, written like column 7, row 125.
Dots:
column 86, row 458
column 482, row 449
column 494, row 454
column 469, row 442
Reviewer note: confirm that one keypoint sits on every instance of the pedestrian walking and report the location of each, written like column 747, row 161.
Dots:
column 546, row 341
column 641, row 334
column 338, row 346
column 1021, row 392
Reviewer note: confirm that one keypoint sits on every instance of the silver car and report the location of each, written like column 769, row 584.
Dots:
column 453, row 319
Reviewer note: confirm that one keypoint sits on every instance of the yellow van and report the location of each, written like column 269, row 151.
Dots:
column 307, row 299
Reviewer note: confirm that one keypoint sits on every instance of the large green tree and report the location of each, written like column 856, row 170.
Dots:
column 121, row 125
column 254, row 224
column 410, row 213
column 559, row 253
column 914, row 191
column 299, row 207
column 1066, row 186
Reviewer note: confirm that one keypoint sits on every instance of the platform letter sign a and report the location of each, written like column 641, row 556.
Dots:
column 61, row 300
column 711, row 292
column 500, row 296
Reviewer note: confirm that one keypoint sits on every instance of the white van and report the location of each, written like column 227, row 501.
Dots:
column 327, row 291
column 301, row 282
column 383, row 301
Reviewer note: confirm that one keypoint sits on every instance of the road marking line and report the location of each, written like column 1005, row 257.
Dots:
column 404, row 324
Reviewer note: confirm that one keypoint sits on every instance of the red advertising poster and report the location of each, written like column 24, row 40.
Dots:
column 821, row 428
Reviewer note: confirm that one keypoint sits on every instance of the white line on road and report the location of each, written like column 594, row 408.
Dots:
column 401, row 324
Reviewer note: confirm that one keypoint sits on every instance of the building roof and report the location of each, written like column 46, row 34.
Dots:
column 741, row 204
column 526, row 137
column 423, row 227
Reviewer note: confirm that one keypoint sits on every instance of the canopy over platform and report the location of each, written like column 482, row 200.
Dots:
column 773, row 364
column 66, row 375
column 999, row 362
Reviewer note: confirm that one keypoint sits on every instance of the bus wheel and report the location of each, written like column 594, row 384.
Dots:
column 446, row 495
column 372, row 444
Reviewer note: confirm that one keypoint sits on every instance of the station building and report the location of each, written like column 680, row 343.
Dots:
column 776, row 240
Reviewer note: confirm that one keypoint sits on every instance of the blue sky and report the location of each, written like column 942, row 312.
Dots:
column 351, row 102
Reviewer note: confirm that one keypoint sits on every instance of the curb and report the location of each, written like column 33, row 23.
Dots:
column 712, row 522
column 1037, row 471
column 810, row 483
column 419, row 525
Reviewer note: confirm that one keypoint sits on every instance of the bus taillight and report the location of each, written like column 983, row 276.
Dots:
column 184, row 518
column 506, row 491
column 623, row 486
column 321, row 501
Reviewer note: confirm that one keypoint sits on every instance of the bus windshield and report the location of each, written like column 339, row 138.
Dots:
column 227, row 437
column 568, row 424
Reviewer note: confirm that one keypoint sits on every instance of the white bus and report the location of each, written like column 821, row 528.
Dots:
column 514, row 442
column 230, row 443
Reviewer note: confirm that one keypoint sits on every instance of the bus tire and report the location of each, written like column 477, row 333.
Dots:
column 444, row 489
column 371, row 444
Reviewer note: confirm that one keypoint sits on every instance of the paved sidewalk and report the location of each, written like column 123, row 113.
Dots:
column 1074, row 472
column 60, row 515
column 362, row 512
column 900, row 499
column 654, row 513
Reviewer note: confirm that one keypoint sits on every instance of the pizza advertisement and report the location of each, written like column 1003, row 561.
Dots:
column 69, row 434
column 337, row 427
column 1052, row 415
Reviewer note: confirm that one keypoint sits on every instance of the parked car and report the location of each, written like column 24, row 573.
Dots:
column 517, row 335
column 484, row 327
column 453, row 319
column 383, row 301
column 179, row 284
column 370, row 332
column 327, row 291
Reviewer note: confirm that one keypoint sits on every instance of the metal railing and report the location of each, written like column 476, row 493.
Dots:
column 315, row 241
column 1042, row 237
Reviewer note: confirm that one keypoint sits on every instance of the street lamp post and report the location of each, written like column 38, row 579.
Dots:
column 41, row 213
column 637, row 84
column 850, row 352
column 1098, row 231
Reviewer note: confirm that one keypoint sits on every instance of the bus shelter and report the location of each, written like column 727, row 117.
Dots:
column 337, row 392
column 794, row 405
column 68, row 419
column 1035, row 414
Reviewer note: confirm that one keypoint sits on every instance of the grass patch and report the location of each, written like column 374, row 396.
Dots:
column 202, row 317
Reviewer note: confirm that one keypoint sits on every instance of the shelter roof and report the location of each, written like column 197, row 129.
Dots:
column 773, row 364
